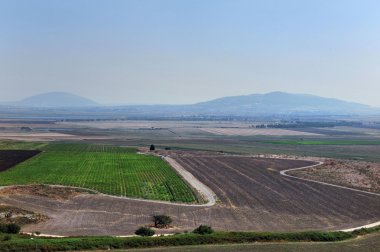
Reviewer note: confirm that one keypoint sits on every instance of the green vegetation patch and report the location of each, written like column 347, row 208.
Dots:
column 24, row 243
column 15, row 145
column 107, row 169
column 322, row 142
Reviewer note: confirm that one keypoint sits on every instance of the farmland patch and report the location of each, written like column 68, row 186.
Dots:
column 256, row 132
column 252, row 196
column 107, row 169
column 9, row 158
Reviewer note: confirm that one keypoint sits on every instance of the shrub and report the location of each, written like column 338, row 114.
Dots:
column 7, row 237
column 162, row 221
column 10, row 228
column 145, row 231
column 13, row 228
column 203, row 229
column 152, row 147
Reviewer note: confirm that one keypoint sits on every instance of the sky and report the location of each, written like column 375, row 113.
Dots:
column 180, row 52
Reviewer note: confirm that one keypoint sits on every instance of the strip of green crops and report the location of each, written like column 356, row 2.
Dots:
column 107, row 169
column 24, row 243
column 332, row 142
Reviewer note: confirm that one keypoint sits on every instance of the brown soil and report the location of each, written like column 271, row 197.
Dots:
column 9, row 214
column 252, row 196
column 53, row 192
column 355, row 174
column 10, row 158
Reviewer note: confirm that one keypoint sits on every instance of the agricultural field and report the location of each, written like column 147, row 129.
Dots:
column 254, row 132
column 323, row 142
column 251, row 196
column 369, row 243
column 354, row 174
column 9, row 158
column 106, row 169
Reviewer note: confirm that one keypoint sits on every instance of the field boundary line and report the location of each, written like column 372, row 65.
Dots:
column 284, row 173
column 97, row 193
column 201, row 188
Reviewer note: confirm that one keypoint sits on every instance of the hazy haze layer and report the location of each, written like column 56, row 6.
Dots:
column 189, row 51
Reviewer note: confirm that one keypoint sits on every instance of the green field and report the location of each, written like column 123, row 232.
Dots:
column 107, row 169
column 369, row 243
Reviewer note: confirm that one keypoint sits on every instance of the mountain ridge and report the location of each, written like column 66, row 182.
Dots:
column 274, row 103
column 55, row 99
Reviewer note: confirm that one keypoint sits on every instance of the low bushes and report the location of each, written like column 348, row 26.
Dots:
column 24, row 243
column 202, row 230
column 145, row 231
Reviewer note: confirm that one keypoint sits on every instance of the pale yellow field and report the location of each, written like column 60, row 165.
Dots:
column 254, row 132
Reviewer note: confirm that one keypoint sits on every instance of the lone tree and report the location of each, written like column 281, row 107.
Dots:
column 144, row 231
column 162, row 221
column 203, row 229
column 152, row 147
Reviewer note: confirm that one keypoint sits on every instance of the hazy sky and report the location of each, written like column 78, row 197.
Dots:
column 187, row 51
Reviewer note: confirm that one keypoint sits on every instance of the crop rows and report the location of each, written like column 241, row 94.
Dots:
column 103, row 168
column 86, row 148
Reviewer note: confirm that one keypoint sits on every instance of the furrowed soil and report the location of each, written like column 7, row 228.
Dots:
column 252, row 196
column 10, row 158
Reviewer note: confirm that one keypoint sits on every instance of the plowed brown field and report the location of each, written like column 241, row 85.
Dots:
column 9, row 158
column 252, row 196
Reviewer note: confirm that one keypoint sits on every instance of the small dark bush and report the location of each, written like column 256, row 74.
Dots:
column 7, row 237
column 203, row 229
column 162, row 221
column 10, row 228
column 13, row 228
column 152, row 147
column 145, row 231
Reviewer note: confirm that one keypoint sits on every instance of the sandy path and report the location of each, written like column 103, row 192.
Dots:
column 202, row 189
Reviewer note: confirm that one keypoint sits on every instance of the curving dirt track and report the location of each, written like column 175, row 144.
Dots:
column 252, row 194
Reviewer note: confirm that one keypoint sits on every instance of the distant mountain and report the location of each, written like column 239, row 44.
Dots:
column 55, row 99
column 282, row 103
column 275, row 104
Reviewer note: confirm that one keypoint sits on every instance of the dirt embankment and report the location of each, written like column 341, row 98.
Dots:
column 49, row 191
column 354, row 174
column 10, row 214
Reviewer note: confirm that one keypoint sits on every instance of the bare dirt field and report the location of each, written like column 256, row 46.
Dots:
column 9, row 158
column 255, row 132
column 355, row 174
column 252, row 195
column 49, row 191
column 144, row 124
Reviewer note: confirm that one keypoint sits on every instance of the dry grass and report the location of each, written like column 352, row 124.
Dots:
column 256, row 132
column 355, row 174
